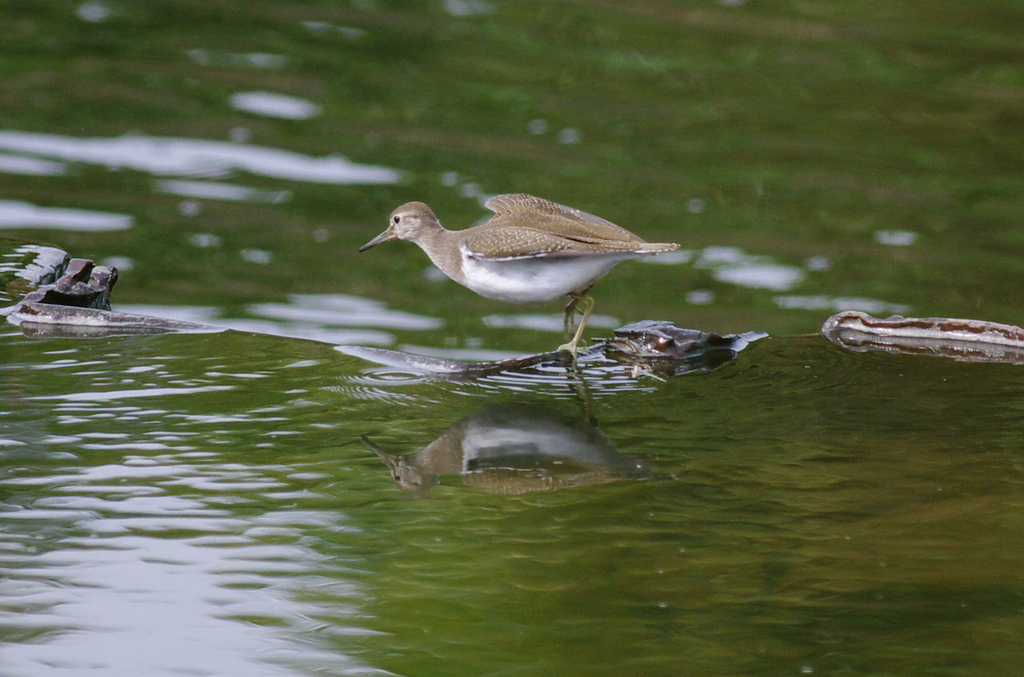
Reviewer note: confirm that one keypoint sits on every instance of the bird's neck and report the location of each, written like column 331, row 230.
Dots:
column 442, row 246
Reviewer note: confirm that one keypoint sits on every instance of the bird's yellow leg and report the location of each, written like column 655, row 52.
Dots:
column 573, row 305
column 570, row 308
column 572, row 347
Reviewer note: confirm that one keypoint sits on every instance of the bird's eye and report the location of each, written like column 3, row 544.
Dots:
column 396, row 219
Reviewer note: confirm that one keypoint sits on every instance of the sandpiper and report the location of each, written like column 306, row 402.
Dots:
column 531, row 250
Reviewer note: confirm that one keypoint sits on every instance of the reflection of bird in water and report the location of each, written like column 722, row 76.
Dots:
column 532, row 250
column 515, row 449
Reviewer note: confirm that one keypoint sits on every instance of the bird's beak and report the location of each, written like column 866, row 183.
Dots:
column 383, row 237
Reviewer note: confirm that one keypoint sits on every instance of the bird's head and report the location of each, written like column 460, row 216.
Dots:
column 407, row 222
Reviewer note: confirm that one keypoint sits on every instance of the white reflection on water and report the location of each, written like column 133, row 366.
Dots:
column 42, row 261
column 122, row 263
column 335, row 336
column 700, row 297
column 466, row 354
column 201, row 314
column 345, row 310
column 734, row 266
column 15, row 214
column 93, row 12
column 271, row 104
column 109, row 395
column 327, row 318
column 896, row 238
column 840, row 303
column 258, row 256
column 348, row 32
column 170, row 156
column 773, row 276
column 220, row 191
column 467, row 7
column 205, row 57
column 547, row 322
column 30, row 166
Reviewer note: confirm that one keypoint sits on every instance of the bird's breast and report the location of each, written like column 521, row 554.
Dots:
column 534, row 280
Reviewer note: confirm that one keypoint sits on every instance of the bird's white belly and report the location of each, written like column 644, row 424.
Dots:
column 535, row 279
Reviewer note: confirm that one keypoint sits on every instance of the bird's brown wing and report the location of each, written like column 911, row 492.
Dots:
column 519, row 242
column 526, row 210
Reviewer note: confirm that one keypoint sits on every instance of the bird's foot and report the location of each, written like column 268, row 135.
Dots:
column 573, row 348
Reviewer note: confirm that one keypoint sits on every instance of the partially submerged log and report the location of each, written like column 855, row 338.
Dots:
column 958, row 339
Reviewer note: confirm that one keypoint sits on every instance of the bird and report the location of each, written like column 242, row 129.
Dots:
column 531, row 250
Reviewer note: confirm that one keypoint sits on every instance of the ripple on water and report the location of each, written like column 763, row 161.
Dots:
column 228, row 604
column 385, row 384
column 149, row 551
column 390, row 376
column 554, row 380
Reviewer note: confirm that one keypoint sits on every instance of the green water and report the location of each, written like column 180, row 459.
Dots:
column 218, row 504
column 805, row 509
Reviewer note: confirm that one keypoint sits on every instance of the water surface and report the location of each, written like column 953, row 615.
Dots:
column 256, row 502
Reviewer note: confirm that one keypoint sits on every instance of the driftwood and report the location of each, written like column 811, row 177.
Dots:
column 958, row 339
